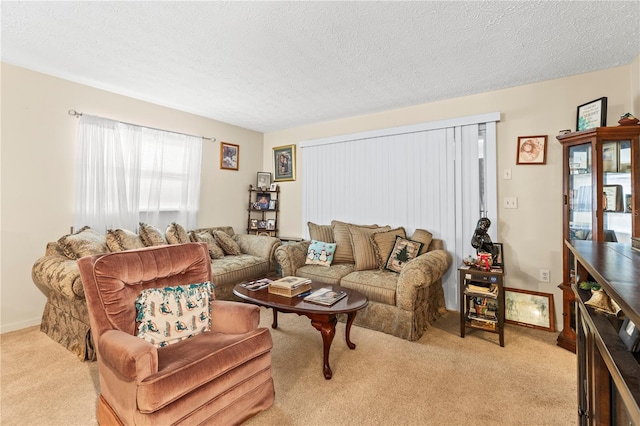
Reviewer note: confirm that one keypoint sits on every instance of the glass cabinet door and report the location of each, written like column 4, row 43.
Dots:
column 617, row 190
column 580, row 192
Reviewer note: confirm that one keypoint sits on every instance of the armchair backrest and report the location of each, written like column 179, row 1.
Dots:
column 113, row 281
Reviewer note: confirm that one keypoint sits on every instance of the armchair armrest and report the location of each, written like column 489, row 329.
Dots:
column 259, row 245
column 424, row 270
column 129, row 356
column 234, row 317
column 292, row 256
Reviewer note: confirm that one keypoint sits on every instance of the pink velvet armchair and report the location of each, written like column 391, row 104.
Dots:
column 221, row 376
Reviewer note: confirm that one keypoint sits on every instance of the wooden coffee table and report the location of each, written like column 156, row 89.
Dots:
column 323, row 318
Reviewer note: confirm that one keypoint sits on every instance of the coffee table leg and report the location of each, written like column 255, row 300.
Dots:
column 328, row 330
column 350, row 317
column 274, row 324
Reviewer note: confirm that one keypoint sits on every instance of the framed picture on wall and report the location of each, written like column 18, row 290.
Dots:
column 229, row 156
column 284, row 161
column 592, row 114
column 532, row 150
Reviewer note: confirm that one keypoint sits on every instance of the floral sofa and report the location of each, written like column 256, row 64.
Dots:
column 234, row 258
column 402, row 277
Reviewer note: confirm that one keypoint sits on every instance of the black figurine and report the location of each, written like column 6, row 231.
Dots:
column 481, row 241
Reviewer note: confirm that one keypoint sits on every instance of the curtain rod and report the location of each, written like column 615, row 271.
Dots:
column 77, row 114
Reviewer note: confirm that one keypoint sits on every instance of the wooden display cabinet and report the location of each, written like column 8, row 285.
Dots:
column 600, row 178
column 262, row 211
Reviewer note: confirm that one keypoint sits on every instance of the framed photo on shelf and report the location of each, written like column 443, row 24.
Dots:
column 262, row 224
column 610, row 157
column 612, row 198
column 627, row 203
column 229, row 156
column 529, row 308
column 630, row 335
column 532, row 150
column 592, row 114
column 284, row 160
column 624, row 157
column 254, row 223
column 500, row 257
column 271, row 224
column 263, row 199
column 264, row 180
column 273, row 187
column 272, row 204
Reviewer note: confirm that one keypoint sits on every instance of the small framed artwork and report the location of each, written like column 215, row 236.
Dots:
column 271, row 224
column 499, row 258
column 612, row 198
column 610, row 157
column 263, row 199
column 627, row 203
column 284, row 160
column 254, row 223
column 229, row 156
column 264, row 180
column 273, row 187
column 262, row 224
column 630, row 335
column 592, row 114
column 624, row 157
column 529, row 308
column 532, row 150
column 272, row 204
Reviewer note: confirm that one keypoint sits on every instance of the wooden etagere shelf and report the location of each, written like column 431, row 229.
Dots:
column 262, row 211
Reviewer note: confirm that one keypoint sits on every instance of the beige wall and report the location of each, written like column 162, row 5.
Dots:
column 532, row 234
column 38, row 172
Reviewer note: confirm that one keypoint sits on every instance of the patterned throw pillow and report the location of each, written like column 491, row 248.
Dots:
column 403, row 251
column 171, row 314
column 228, row 245
column 151, row 236
column 176, row 234
column 215, row 252
column 320, row 253
column 321, row 232
column 123, row 239
column 85, row 242
column 383, row 243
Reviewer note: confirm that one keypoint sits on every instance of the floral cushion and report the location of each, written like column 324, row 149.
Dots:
column 176, row 234
column 123, row 239
column 85, row 242
column 151, row 236
column 320, row 253
column 403, row 251
column 226, row 243
column 171, row 314
column 215, row 252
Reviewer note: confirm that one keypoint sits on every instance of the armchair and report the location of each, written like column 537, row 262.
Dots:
column 221, row 376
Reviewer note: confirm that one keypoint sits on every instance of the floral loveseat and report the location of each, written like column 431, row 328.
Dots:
column 234, row 258
column 401, row 276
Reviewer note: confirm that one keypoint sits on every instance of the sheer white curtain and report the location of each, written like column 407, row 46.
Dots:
column 425, row 176
column 127, row 173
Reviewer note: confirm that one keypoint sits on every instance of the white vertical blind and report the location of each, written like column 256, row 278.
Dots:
column 424, row 176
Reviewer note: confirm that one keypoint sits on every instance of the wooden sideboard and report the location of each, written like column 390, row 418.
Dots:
column 608, row 373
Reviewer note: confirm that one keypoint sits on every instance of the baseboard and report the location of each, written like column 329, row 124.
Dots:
column 6, row 328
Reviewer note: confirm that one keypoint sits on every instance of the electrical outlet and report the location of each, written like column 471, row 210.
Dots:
column 544, row 275
column 510, row 202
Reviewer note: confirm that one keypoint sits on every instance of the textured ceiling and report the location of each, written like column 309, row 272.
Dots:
column 273, row 65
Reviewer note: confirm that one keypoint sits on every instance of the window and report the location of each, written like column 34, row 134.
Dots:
column 127, row 174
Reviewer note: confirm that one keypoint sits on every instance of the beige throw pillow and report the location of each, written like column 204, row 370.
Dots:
column 423, row 236
column 85, row 242
column 228, row 245
column 321, row 232
column 364, row 255
column 151, row 236
column 383, row 243
column 123, row 239
column 342, row 238
column 176, row 234
column 215, row 252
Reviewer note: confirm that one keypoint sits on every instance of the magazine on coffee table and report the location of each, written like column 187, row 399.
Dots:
column 325, row 296
column 257, row 285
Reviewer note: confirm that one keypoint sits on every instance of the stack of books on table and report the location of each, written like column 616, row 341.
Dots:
column 325, row 296
column 290, row 286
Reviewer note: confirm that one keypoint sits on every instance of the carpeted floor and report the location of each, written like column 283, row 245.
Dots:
column 440, row 379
